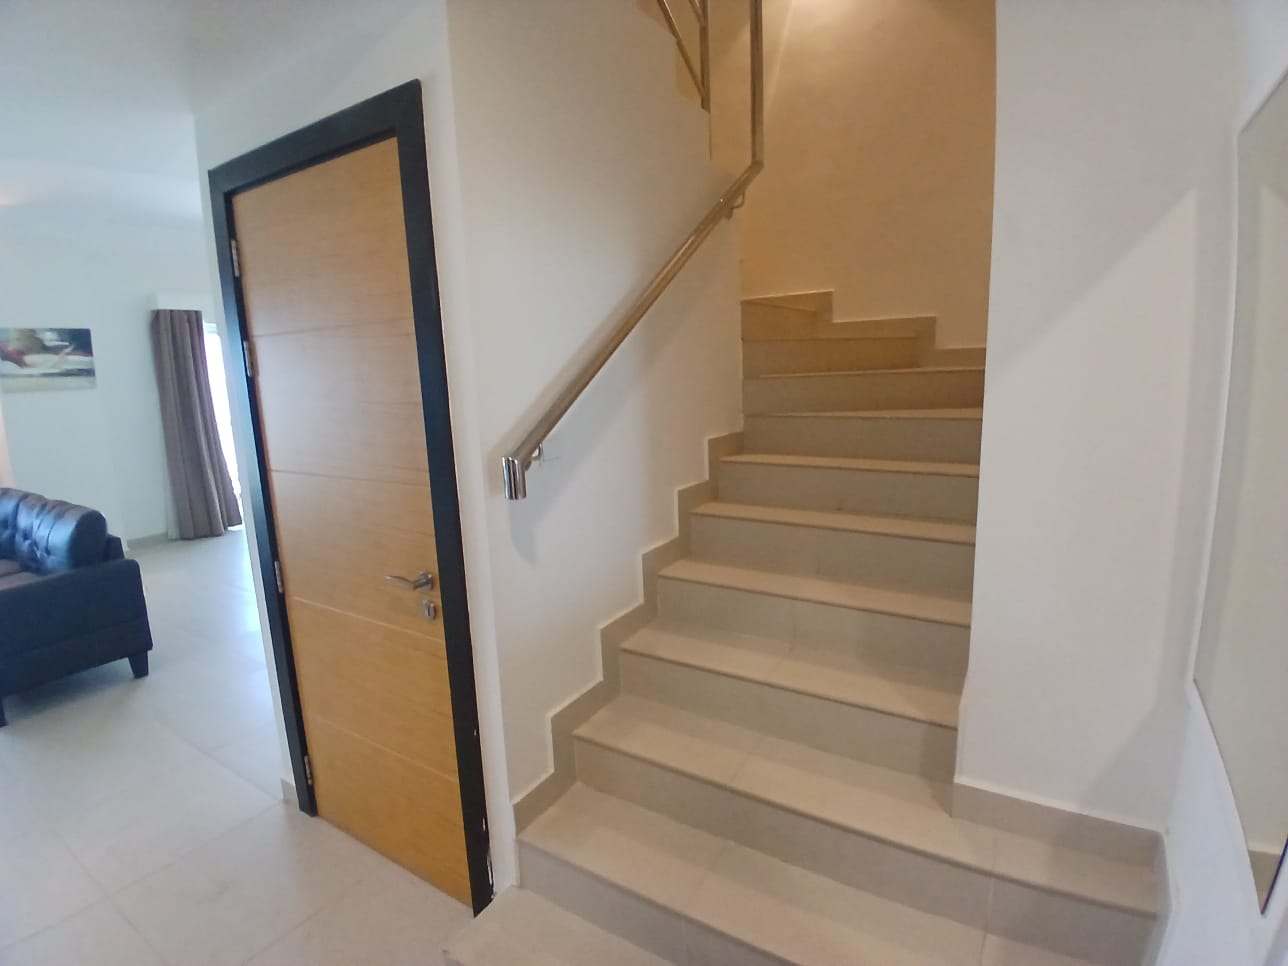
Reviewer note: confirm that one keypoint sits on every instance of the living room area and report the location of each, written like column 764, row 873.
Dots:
column 148, row 814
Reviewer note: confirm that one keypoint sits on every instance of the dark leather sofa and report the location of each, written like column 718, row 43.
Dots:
column 69, row 600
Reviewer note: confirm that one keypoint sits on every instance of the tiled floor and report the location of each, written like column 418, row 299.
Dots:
column 141, row 821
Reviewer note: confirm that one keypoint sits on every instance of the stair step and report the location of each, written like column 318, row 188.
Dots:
column 897, row 716
column 918, row 694
column 898, row 552
column 817, row 590
column 911, row 488
column 664, row 882
column 827, row 355
column 929, row 387
column 765, row 322
column 690, row 896
column 736, row 602
column 933, row 435
column 910, row 528
column 522, row 927
column 877, row 803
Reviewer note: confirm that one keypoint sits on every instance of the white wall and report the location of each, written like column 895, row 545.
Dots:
column 1215, row 916
column 84, row 267
column 6, row 471
column 562, row 167
column 1110, row 262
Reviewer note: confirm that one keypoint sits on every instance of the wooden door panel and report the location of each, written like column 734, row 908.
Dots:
column 374, row 679
column 395, row 806
column 328, row 312
column 373, row 364
column 343, row 402
column 326, row 247
column 332, row 558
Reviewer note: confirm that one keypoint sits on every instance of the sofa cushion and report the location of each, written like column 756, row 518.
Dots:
column 51, row 536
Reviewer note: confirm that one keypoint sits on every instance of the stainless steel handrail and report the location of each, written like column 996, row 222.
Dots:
column 515, row 464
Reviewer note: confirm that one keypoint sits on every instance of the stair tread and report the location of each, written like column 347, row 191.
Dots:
column 908, row 691
column 746, row 895
column 856, row 463
column 521, row 927
column 908, row 370
column 911, row 527
column 819, row 590
column 950, row 412
column 905, row 810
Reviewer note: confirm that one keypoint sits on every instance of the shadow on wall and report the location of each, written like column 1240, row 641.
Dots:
column 1110, row 284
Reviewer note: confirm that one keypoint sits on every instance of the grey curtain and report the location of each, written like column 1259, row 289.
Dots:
column 203, row 490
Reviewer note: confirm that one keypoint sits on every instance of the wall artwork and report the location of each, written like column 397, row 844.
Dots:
column 35, row 359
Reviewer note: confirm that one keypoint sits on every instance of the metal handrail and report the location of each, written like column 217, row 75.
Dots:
column 515, row 464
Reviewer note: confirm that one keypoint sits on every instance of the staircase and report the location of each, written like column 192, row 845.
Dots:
column 771, row 780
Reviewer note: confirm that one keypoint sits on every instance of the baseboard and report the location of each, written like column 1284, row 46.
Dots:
column 1056, row 825
column 576, row 711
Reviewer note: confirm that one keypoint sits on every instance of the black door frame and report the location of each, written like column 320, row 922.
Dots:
column 399, row 114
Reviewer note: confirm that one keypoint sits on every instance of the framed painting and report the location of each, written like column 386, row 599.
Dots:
column 36, row 359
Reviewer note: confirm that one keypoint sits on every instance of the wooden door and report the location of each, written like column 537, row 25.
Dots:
column 328, row 311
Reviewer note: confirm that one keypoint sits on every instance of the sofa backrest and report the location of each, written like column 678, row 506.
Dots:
column 9, row 500
column 50, row 536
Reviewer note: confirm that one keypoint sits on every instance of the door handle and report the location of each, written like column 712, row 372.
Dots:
column 422, row 581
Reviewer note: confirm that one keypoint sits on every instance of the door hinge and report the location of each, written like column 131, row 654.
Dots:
column 232, row 246
column 490, row 880
column 277, row 571
column 308, row 770
column 248, row 352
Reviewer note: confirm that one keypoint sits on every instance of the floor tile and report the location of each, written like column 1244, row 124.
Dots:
column 142, row 828
column 236, row 895
column 98, row 936
column 41, row 884
column 1005, row 952
column 256, row 757
column 390, row 917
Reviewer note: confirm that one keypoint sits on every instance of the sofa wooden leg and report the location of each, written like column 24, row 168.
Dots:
column 139, row 664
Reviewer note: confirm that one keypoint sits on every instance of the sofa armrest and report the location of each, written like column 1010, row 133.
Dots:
column 54, row 608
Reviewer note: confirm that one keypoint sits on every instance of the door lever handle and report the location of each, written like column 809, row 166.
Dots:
column 422, row 581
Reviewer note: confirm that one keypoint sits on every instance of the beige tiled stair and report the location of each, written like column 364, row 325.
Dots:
column 770, row 778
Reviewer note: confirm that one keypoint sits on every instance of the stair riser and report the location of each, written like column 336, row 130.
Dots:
column 928, row 495
column 776, row 322
column 827, row 355
column 935, row 440
column 870, row 736
column 663, row 931
column 925, row 566
column 886, row 869
column 865, row 390
column 863, row 634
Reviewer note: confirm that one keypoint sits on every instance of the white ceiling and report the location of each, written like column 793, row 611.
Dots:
column 97, row 96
